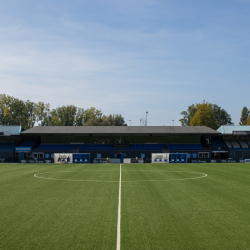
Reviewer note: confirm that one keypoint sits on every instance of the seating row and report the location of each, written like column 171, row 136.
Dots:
column 28, row 144
column 188, row 146
column 243, row 144
column 145, row 147
column 110, row 147
column 218, row 143
column 56, row 147
column 72, row 146
column 95, row 147
column 5, row 146
column 235, row 144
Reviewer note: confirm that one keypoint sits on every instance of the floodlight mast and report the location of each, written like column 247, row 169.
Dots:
column 130, row 122
column 146, row 119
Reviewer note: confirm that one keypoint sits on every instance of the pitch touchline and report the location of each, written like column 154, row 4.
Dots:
column 118, row 242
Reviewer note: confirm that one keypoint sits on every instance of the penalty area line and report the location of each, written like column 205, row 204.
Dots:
column 118, row 242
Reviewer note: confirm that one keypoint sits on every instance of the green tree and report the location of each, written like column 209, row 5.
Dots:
column 188, row 115
column 116, row 120
column 15, row 112
column 40, row 113
column 6, row 110
column 248, row 120
column 54, row 119
column 111, row 120
column 79, row 118
column 29, row 114
column 66, row 115
column 96, row 121
column 205, row 114
column 91, row 114
column 244, row 116
column 221, row 116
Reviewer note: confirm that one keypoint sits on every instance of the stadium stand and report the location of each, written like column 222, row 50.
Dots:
column 28, row 144
column 218, row 143
column 185, row 146
column 94, row 146
column 145, row 147
column 235, row 144
column 228, row 144
column 243, row 144
column 5, row 146
column 50, row 147
column 82, row 147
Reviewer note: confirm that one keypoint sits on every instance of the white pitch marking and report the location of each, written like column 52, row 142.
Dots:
column 118, row 244
column 191, row 178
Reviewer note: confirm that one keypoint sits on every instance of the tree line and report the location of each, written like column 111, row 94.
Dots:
column 14, row 111
column 205, row 114
column 211, row 115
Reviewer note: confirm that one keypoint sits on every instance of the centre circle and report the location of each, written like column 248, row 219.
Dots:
column 127, row 175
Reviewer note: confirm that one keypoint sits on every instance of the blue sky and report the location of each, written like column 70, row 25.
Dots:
column 127, row 57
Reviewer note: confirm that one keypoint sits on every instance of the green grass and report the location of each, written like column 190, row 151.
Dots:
column 163, row 206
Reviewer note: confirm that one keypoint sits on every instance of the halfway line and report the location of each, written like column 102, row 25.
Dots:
column 118, row 244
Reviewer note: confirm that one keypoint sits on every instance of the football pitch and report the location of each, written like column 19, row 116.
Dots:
column 127, row 207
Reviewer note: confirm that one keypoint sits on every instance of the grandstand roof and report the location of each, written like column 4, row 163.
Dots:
column 10, row 130
column 234, row 129
column 118, row 130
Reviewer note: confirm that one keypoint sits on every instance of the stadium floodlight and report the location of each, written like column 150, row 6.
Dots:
column 146, row 119
column 130, row 122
